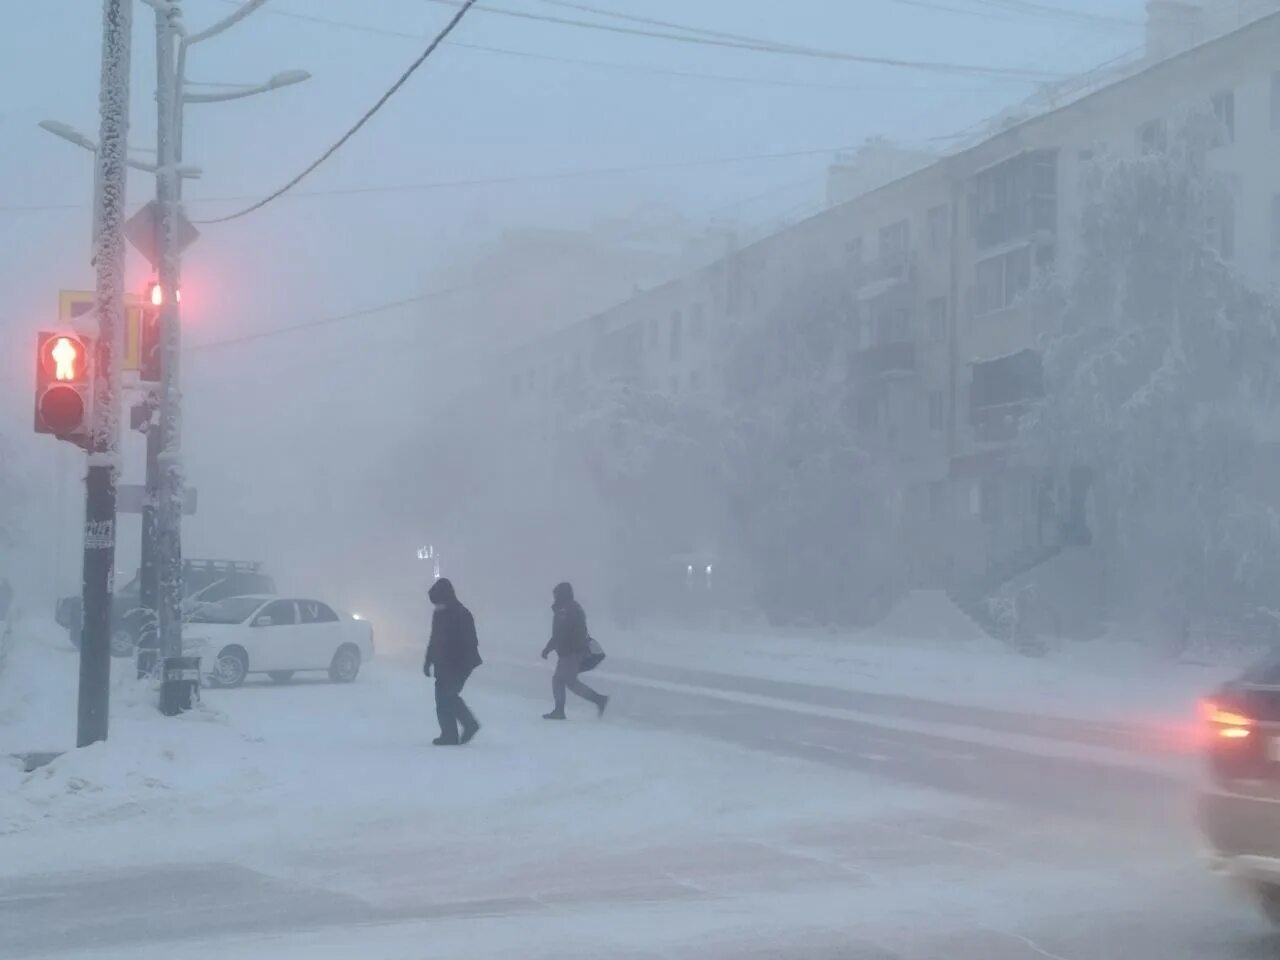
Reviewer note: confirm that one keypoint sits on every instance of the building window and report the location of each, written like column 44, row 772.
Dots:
column 937, row 308
column 697, row 322
column 895, row 238
column 1275, row 227
column 1275, row 100
column 935, row 409
column 989, row 496
column 868, row 413
column 1220, row 231
column 1153, row 137
column 1224, row 111
column 893, row 325
column 937, row 500
column 1001, row 280
column 677, row 332
column 938, row 225
column 1016, row 199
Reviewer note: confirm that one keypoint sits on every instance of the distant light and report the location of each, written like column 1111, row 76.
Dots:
column 708, row 569
column 689, row 570
column 356, row 616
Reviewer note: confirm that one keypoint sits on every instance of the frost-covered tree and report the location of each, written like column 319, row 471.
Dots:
column 1160, row 381
column 804, row 508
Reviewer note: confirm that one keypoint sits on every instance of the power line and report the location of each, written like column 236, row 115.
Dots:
column 614, row 65
column 766, row 46
column 431, row 47
column 479, row 181
column 1028, row 7
column 458, row 288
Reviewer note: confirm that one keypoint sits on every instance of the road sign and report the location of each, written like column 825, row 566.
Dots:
column 73, row 304
column 140, row 230
column 130, row 497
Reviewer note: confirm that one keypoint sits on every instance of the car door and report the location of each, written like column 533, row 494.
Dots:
column 272, row 636
column 320, row 634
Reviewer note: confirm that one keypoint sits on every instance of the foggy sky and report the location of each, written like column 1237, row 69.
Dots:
column 467, row 114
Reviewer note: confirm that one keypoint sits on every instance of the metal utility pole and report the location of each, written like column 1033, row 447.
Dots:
column 165, row 492
column 104, row 445
column 169, row 486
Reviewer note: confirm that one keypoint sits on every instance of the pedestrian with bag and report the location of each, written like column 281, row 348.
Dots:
column 574, row 650
column 453, row 652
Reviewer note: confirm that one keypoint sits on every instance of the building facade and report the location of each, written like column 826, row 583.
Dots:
column 936, row 265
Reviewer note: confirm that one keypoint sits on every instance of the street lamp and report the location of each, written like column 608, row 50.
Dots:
column 68, row 133
column 285, row 79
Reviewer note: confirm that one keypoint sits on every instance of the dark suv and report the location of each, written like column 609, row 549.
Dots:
column 203, row 581
column 1240, row 806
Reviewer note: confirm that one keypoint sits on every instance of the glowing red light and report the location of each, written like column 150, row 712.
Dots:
column 63, row 358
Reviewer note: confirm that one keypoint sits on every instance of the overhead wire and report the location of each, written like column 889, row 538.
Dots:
column 456, row 288
column 479, row 181
column 465, row 6
column 707, row 38
column 608, row 64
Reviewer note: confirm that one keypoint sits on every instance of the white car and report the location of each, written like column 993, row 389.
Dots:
column 278, row 636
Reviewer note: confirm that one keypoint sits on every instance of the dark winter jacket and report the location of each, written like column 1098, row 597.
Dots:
column 454, row 648
column 569, row 635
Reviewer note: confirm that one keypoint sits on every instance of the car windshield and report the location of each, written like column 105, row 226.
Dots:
column 230, row 610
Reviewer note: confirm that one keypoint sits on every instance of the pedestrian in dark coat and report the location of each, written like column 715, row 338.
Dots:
column 570, row 642
column 453, row 652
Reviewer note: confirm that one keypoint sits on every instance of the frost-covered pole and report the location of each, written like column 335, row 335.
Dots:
column 104, row 442
column 170, row 474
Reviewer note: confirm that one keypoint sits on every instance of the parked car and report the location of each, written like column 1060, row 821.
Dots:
column 1240, row 805
column 278, row 636
column 203, row 581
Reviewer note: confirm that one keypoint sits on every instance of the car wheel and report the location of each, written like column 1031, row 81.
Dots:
column 121, row 642
column 1268, row 897
column 280, row 676
column 346, row 664
column 231, row 667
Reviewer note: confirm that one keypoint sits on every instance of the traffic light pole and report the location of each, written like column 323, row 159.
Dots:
column 104, row 442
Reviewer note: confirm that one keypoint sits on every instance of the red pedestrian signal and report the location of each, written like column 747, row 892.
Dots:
column 63, row 385
column 63, row 358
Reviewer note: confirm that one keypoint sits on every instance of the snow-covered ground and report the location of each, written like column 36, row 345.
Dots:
column 315, row 762
column 316, row 820
column 928, row 649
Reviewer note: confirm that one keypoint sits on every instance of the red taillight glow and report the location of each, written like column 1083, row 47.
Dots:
column 1227, row 723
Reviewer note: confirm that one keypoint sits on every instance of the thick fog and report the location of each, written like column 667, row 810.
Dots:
column 816, row 463
column 472, row 196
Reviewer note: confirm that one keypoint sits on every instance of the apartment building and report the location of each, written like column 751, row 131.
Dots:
column 944, row 353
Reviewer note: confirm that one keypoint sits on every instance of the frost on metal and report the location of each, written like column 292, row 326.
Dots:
column 108, row 251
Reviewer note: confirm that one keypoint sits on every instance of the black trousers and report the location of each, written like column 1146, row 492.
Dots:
column 450, row 708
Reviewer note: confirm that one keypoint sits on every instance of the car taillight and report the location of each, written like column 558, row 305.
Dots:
column 1225, row 723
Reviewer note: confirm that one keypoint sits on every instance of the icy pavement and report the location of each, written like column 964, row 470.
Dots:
column 703, row 818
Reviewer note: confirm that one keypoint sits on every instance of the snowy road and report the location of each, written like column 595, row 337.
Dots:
column 855, row 827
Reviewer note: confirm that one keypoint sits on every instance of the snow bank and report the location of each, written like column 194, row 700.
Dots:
column 929, row 615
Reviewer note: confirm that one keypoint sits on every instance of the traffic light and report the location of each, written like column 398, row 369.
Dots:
column 149, row 336
column 149, row 352
column 64, row 385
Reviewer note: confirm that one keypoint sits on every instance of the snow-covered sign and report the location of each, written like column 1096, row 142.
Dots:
column 140, row 230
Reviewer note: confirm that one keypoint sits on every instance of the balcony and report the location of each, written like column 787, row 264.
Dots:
column 1000, row 393
column 895, row 356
